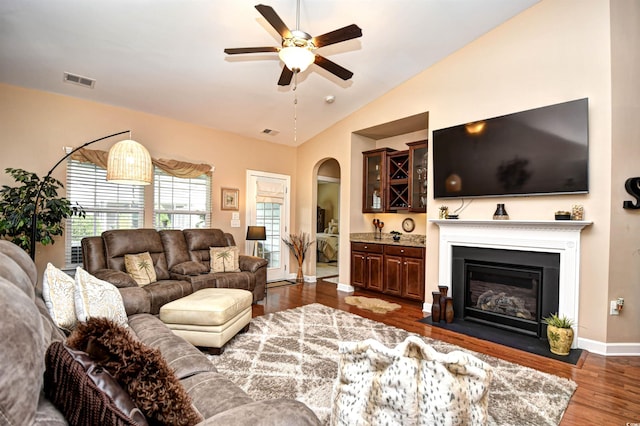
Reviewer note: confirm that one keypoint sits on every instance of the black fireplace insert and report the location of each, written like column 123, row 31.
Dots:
column 509, row 289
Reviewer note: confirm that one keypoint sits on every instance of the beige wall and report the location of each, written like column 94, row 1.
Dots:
column 553, row 52
column 37, row 125
column 624, row 256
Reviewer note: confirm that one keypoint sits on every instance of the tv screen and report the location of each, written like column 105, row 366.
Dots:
column 535, row 152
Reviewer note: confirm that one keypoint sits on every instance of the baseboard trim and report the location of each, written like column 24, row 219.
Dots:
column 346, row 288
column 610, row 349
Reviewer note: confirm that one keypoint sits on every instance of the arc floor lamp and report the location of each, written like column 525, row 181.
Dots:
column 129, row 163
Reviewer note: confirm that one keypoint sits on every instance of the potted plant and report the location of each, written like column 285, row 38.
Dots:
column 559, row 333
column 18, row 204
column 298, row 244
column 396, row 235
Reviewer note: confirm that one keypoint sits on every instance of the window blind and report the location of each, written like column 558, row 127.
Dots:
column 181, row 203
column 107, row 206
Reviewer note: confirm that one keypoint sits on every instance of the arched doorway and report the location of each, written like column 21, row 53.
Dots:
column 327, row 224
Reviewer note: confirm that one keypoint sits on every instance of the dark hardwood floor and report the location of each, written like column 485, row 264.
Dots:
column 608, row 387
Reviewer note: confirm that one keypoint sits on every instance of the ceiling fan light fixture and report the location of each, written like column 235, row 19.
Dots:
column 296, row 58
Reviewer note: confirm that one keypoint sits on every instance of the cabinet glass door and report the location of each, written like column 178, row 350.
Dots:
column 419, row 155
column 372, row 201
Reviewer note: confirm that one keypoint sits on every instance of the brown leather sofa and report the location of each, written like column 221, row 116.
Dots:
column 27, row 330
column 181, row 261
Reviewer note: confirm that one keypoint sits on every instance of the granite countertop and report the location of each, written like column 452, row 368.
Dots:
column 407, row 240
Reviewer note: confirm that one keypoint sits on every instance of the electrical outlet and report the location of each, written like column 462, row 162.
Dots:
column 613, row 308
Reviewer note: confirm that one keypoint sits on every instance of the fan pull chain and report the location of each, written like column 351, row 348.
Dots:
column 295, row 118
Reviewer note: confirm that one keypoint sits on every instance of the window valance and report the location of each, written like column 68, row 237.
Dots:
column 181, row 169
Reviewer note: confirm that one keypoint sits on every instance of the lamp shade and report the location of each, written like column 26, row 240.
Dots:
column 129, row 163
column 297, row 58
column 256, row 233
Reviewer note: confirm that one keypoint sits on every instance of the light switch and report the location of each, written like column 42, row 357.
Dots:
column 235, row 216
column 235, row 223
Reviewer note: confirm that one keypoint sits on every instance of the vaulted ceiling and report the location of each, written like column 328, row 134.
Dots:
column 165, row 57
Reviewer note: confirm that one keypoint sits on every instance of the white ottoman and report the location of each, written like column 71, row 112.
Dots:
column 209, row 317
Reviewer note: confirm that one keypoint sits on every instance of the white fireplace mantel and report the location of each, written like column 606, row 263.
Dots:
column 549, row 236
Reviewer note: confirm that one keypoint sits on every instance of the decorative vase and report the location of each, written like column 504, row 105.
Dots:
column 560, row 339
column 448, row 310
column 501, row 213
column 435, row 307
column 300, row 276
column 443, row 295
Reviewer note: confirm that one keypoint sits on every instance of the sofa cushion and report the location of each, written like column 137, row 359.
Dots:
column 119, row 242
column 190, row 268
column 199, row 242
column 17, row 267
column 84, row 392
column 97, row 298
column 165, row 291
column 183, row 358
column 140, row 369
column 23, row 351
column 140, row 267
column 117, row 278
column 175, row 247
column 57, row 292
column 224, row 259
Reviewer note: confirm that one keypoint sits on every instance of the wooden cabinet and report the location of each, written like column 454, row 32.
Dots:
column 398, row 181
column 390, row 269
column 374, row 180
column 395, row 180
column 404, row 271
column 367, row 267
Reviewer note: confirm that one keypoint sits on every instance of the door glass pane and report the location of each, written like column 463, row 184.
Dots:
column 268, row 215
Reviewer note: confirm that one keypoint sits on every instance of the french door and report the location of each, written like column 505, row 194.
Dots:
column 268, row 205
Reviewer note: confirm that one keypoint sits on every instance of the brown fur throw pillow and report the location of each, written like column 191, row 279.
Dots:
column 140, row 369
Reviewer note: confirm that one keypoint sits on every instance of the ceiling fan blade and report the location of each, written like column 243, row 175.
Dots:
column 285, row 77
column 272, row 18
column 336, row 36
column 238, row 50
column 333, row 68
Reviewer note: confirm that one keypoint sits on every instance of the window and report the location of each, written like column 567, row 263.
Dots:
column 181, row 203
column 107, row 206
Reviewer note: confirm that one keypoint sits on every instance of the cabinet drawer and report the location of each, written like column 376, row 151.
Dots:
column 404, row 251
column 367, row 247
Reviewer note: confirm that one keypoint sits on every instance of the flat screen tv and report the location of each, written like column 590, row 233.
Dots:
column 535, row 152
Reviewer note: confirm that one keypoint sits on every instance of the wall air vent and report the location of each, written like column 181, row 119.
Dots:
column 270, row 132
column 79, row 80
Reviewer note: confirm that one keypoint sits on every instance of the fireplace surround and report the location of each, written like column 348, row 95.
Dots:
column 561, row 238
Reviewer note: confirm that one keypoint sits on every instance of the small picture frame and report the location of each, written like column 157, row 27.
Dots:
column 229, row 199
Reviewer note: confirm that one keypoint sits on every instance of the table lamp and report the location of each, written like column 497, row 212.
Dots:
column 255, row 234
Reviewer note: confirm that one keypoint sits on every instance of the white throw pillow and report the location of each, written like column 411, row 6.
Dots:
column 57, row 292
column 97, row 298
column 225, row 259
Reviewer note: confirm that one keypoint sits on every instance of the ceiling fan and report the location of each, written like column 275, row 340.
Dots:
column 298, row 47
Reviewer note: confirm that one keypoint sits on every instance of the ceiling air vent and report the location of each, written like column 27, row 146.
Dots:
column 270, row 132
column 79, row 80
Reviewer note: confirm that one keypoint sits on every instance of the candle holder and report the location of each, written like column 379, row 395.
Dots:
column 378, row 225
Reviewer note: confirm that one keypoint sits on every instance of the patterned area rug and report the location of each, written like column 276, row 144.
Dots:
column 294, row 354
